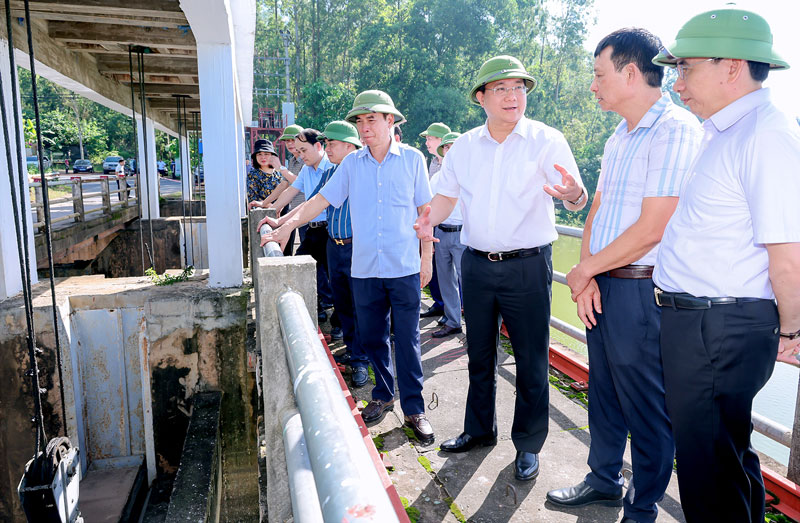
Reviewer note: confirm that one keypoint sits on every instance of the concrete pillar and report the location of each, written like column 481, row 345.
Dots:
column 185, row 160
column 148, row 175
column 10, row 277
column 276, row 276
column 241, row 168
column 221, row 134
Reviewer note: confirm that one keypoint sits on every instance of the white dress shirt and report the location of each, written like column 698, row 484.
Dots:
column 742, row 193
column 455, row 216
column 500, row 185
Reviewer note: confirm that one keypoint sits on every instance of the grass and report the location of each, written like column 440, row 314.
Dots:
column 410, row 433
column 371, row 374
column 562, row 383
column 378, row 442
column 776, row 517
column 426, row 464
column 451, row 503
column 412, row 512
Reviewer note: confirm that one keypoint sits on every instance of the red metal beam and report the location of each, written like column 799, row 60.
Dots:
column 563, row 362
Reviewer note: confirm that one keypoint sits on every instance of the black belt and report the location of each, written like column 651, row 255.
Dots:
column 449, row 228
column 630, row 272
column 341, row 241
column 317, row 225
column 502, row 256
column 682, row 300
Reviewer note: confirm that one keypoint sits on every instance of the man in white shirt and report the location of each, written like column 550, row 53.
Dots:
column 501, row 171
column 644, row 165
column 730, row 250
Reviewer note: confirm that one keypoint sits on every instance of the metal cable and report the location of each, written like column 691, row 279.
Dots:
column 46, row 202
column 138, row 163
column 140, row 56
column 26, row 275
column 183, row 183
column 188, row 168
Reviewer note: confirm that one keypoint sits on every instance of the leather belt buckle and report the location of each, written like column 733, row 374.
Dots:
column 337, row 241
column 495, row 256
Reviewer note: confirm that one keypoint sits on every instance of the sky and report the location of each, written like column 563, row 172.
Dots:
column 665, row 18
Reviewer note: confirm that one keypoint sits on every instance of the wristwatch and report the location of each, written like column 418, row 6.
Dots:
column 580, row 198
column 791, row 335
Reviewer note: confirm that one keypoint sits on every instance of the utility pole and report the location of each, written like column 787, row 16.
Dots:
column 78, row 118
column 287, row 37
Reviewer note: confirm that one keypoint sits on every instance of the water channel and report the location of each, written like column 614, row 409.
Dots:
column 776, row 400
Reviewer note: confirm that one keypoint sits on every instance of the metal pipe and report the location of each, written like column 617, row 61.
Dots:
column 302, row 489
column 568, row 329
column 566, row 230
column 772, row 429
column 346, row 479
column 271, row 249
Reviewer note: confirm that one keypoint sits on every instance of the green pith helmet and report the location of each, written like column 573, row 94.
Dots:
column 723, row 33
column 374, row 102
column 290, row 132
column 437, row 130
column 501, row 68
column 448, row 139
column 341, row 131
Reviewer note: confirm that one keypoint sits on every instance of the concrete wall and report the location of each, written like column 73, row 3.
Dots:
column 195, row 337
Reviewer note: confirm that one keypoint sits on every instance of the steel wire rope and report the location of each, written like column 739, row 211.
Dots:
column 140, row 57
column 183, row 182
column 24, row 267
column 46, row 203
column 138, row 170
column 192, row 226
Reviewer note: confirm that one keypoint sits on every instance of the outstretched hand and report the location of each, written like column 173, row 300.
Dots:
column 272, row 222
column 423, row 226
column 279, row 235
column 569, row 190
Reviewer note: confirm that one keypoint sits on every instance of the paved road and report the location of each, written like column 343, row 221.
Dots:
column 166, row 186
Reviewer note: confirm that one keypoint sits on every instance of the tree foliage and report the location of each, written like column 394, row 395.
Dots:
column 426, row 53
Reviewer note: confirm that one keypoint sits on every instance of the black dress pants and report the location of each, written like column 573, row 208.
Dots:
column 715, row 361
column 519, row 290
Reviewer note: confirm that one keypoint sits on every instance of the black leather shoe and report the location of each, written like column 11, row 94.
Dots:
column 446, row 331
column 526, row 466
column 465, row 442
column 582, row 494
column 376, row 410
column 430, row 313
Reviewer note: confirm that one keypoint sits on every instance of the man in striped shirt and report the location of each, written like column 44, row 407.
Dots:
column 643, row 168
column 341, row 138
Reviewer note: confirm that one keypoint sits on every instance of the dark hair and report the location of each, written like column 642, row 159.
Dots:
column 398, row 132
column 758, row 70
column 637, row 46
column 311, row 136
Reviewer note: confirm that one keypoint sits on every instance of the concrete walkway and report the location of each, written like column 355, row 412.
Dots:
column 479, row 485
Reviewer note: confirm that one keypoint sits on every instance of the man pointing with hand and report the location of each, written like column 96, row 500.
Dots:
column 506, row 174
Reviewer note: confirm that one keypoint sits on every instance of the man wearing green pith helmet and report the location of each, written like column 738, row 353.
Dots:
column 730, row 250
column 506, row 174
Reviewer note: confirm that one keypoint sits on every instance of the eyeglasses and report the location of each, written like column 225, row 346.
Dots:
column 683, row 68
column 502, row 91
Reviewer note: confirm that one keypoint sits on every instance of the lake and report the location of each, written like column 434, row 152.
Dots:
column 776, row 400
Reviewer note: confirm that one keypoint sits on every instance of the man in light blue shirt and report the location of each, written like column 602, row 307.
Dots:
column 643, row 168
column 387, row 185
column 310, row 149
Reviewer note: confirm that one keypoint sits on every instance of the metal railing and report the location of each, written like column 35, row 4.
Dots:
column 763, row 425
column 81, row 204
column 331, row 449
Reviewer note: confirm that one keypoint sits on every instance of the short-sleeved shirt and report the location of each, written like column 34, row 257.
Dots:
column 741, row 194
column 384, row 198
column 295, row 165
column 649, row 161
column 339, row 227
column 260, row 184
column 455, row 217
column 308, row 178
column 501, row 185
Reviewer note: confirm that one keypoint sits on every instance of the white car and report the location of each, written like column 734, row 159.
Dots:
column 110, row 164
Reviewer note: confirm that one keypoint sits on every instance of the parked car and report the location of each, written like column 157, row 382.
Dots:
column 82, row 166
column 110, row 164
column 33, row 161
